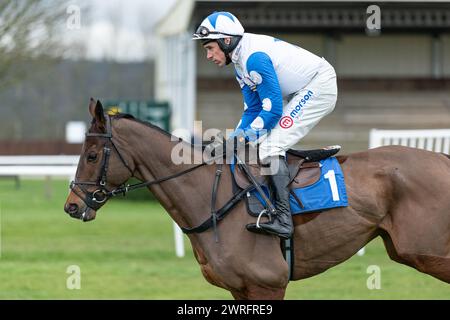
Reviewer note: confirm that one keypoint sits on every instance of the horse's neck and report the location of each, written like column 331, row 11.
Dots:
column 151, row 151
column 149, row 148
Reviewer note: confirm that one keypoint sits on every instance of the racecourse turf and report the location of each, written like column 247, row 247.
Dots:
column 128, row 253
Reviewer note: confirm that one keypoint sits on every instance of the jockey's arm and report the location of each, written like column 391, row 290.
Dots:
column 262, row 72
column 252, row 106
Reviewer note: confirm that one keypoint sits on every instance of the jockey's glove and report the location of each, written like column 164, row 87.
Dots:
column 236, row 141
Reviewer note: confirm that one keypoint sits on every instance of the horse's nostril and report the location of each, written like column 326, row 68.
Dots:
column 72, row 208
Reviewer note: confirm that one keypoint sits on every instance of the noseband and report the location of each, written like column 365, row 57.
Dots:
column 96, row 199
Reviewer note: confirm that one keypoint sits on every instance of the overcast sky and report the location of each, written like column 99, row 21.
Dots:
column 119, row 29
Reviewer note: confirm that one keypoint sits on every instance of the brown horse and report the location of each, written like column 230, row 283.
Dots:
column 398, row 193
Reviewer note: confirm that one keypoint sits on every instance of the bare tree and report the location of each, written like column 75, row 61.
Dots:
column 29, row 29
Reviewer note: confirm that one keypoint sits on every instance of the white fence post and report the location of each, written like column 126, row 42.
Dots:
column 437, row 140
column 179, row 241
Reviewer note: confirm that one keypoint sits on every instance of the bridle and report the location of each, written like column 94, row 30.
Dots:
column 97, row 198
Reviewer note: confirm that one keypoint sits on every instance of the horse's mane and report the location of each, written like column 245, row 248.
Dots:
column 148, row 124
column 145, row 123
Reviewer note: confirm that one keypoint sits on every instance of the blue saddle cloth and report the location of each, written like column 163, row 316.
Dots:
column 326, row 193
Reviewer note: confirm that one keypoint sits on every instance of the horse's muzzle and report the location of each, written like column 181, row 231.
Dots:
column 85, row 213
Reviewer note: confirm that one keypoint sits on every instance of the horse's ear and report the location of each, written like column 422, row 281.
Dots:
column 99, row 113
column 96, row 111
column 92, row 104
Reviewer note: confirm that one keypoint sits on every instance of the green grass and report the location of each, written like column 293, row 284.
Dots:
column 128, row 253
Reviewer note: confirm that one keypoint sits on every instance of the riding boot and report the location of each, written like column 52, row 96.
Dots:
column 281, row 224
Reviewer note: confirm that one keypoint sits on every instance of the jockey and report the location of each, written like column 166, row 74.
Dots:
column 287, row 90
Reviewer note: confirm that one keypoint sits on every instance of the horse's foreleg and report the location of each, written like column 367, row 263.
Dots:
column 254, row 292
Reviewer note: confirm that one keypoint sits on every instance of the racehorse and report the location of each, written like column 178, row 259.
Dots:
column 399, row 193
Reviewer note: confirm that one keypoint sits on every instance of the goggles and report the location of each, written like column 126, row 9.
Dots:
column 204, row 32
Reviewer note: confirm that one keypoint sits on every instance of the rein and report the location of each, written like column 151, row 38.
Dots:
column 123, row 190
column 96, row 199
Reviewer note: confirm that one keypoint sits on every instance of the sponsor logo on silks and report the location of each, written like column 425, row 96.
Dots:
column 303, row 101
column 286, row 122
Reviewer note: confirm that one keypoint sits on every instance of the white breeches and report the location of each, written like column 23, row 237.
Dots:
column 301, row 113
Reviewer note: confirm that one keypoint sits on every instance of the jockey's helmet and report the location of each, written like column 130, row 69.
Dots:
column 218, row 26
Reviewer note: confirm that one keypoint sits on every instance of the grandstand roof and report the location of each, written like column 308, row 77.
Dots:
column 293, row 16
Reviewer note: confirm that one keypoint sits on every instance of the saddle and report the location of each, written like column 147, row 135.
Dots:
column 304, row 168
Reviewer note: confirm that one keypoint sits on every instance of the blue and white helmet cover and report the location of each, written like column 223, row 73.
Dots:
column 220, row 25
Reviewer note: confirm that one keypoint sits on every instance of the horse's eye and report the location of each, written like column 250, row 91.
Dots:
column 91, row 157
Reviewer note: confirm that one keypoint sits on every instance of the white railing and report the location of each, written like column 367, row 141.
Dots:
column 46, row 166
column 60, row 166
column 437, row 140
